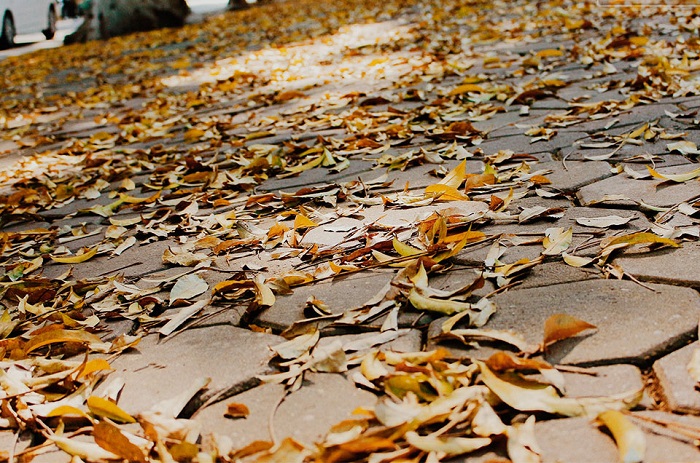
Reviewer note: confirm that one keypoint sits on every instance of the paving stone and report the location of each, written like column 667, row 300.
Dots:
column 603, row 381
column 554, row 273
column 593, row 445
column 556, row 440
column 651, row 191
column 665, row 160
column 523, row 143
column 676, row 384
column 662, row 423
column 639, row 222
column 135, row 261
column 160, row 369
column 319, row 176
column 340, row 294
column 623, row 336
column 573, row 175
column 306, row 415
column 408, row 340
column 678, row 266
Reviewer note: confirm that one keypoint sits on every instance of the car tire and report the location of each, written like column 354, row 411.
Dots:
column 7, row 37
column 50, row 30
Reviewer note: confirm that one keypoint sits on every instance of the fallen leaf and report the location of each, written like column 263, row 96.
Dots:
column 187, row 287
column 562, row 326
column 107, row 409
column 629, row 438
column 678, row 178
column 450, row 446
column 236, row 410
column 77, row 259
column 182, row 316
column 604, row 222
column 110, row 438
column 60, row 335
column 557, row 240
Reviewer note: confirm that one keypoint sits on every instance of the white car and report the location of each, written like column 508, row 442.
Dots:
column 26, row 17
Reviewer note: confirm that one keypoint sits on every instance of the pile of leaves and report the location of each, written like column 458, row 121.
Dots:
column 173, row 135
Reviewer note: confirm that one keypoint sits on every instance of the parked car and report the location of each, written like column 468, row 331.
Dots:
column 26, row 17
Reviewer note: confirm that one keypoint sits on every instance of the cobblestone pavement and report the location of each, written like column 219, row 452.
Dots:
column 280, row 201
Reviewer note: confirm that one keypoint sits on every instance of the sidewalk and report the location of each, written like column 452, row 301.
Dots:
column 308, row 231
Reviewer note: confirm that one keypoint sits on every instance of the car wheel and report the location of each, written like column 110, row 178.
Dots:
column 7, row 38
column 50, row 31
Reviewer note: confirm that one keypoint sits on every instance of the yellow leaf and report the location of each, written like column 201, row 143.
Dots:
column 56, row 336
column 67, row 410
column 637, row 132
column 301, row 221
column 133, row 200
column 182, row 63
column 678, row 178
column 629, row 438
column 444, row 306
column 639, row 41
column 94, row 365
column 576, row 261
column 456, row 176
column 303, row 167
column 561, row 326
column 445, row 193
column 466, row 88
column 194, row 135
column 77, row 259
column 404, row 249
column 640, row 238
column 550, row 53
column 107, row 409
column 467, row 235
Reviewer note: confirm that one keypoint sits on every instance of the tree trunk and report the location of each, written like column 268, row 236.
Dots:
column 110, row 18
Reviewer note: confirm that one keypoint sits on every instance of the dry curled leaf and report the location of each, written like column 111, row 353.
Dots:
column 563, row 326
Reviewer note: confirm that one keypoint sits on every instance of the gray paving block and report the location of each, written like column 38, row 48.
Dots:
column 135, row 261
column 574, row 440
column 306, row 415
column 572, row 175
column 678, row 266
column 603, row 381
column 340, row 294
column 554, row 273
column 651, row 191
column 639, row 221
column 593, row 445
column 624, row 335
column 409, row 340
column 160, row 369
column 676, row 384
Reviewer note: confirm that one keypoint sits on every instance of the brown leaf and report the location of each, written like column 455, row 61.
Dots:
column 110, row 438
column 561, row 326
column 236, row 410
column 504, row 361
column 60, row 335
